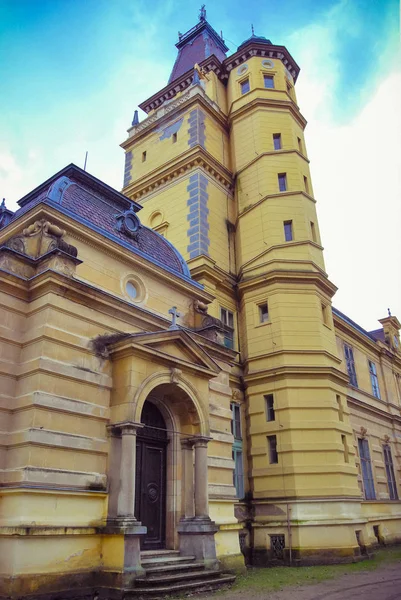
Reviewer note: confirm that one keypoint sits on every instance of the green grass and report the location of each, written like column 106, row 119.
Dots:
column 276, row 578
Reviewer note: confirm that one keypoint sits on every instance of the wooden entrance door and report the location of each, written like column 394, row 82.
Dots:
column 150, row 500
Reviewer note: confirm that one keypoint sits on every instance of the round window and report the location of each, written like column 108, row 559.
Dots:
column 132, row 290
column 242, row 69
column 268, row 64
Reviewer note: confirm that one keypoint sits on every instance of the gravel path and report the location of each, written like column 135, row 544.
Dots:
column 384, row 583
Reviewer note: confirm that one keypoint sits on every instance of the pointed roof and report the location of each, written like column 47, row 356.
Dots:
column 195, row 45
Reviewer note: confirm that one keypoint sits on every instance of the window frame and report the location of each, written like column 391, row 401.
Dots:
column 350, row 364
column 228, row 335
column 390, row 474
column 374, row 379
column 242, row 82
column 272, row 446
column 282, row 180
column 277, row 137
column 237, row 449
column 366, row 469
column 261, row 313
column 269, row 408
column 268, row 77
column 287, row 224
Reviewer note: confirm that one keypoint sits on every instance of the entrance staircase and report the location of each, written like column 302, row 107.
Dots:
column 169, row 573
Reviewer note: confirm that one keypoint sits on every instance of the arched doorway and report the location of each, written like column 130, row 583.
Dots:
column 151, row 467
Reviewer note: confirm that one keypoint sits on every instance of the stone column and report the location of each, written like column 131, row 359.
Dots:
column 201, row 483
column 188, row 477
column 126, row 496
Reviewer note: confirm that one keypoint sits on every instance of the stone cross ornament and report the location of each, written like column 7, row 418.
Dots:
column 174, row 315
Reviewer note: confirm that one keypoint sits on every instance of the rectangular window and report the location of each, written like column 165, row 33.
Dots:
column 236, row 421
column 263, row 312
column 388, row 463
column 174, row 138
column 340, row 408
column 143, row 156
column 366, row 469
column 345, row 446
column 300, row 145
column 245, row 87
column 349, row 359
column 227, row 318
column 373, row 379
column 272, row 442
column 288, row 231
column 269, row 403
column 306, row 185
column 313, row 231
column 268, row 81
column 277, row 141
column 282, row 182
column 238, row 473
column 325, row 314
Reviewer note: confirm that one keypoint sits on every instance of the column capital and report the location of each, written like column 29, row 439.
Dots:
column 187, row 443
column 200, row 441
column 125, row 428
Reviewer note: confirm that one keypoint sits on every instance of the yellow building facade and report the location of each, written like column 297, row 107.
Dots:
column 177, row 394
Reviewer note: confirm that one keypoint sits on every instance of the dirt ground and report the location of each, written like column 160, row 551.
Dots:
column 384, row 583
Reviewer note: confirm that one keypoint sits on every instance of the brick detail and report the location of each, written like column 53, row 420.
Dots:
column 196, row 128
column 198, row 226
column 127, row 168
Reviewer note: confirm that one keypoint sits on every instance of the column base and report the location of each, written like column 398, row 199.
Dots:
column 132, row 530
column 196, row 537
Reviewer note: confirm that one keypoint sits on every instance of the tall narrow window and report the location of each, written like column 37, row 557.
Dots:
column 269, row 403
column 340, row 408
column 263, row 312
column 288, row 231
column 237, row 454
column 325, row 314
column 143, row 156
column 366, row 468
column 277, row 141
column 282, row 182
column 245, row 87
column 306, row 185
column 388, row 463
column 300, row 145
column 174, row 138
column 273, row 455
column 349, row 359
column 313, row 231
column 345, row 446
column 268, row 81
column 373, row 379
column 227, row 318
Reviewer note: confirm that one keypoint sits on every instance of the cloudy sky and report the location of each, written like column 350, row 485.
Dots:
column 73, row 71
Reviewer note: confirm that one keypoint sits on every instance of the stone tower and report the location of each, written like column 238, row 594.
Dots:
column 221, row 169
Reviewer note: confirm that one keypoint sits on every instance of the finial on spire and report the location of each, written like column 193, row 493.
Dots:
column 202, row 13
column 135, row 120
column 389, row 312
column 3, row 205
column 252, row 29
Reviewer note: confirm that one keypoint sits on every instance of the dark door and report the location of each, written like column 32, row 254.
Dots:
column 150, row 499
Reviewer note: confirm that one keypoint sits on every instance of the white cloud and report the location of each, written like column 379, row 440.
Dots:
column 355, row 170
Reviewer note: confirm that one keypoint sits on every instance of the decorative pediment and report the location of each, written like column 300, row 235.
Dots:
column 39, row 238
column 173, row 348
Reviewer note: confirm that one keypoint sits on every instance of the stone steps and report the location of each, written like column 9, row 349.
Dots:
column 167, row 573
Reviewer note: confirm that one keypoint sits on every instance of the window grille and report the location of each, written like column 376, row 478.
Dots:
column 277, row 545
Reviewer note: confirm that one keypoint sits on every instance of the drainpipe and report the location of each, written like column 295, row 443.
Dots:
column 289, row 532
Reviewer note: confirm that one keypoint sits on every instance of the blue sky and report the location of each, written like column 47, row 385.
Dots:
column 73, row 71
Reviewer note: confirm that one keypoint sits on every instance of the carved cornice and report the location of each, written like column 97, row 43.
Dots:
column 194, row 158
